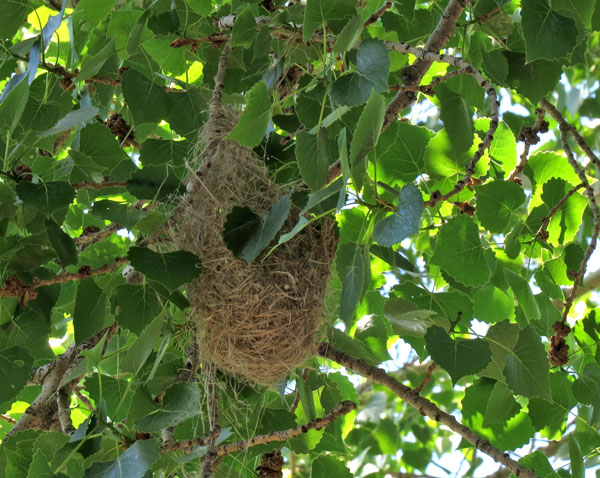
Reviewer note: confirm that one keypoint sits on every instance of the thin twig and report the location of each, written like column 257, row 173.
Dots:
column 377, row 15
column 492, row 98
column 543, row 232
column 8, row 419
column 427, row 379
column 98, row 186
column 529, row 135
column 424, row 406
column 339, row 410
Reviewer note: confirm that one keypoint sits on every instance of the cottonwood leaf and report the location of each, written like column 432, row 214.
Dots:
column 524, row 296
column 244, row 29
column 326, row 466
column 502, row 338
column 526, row 369
column 12, row 107
column 353, row 267
column 401, row 153
column 50, row 198
column 154, row 182
column 62, row 243
column 404, row 222
column 349, row 34
column 15, row 369
column 459, row 252
column 147, row 101
column 250, row 129
column 8, row 201
column 501, row 406
column 457, row 119
column 587, row 386
column 171, row 269
column 365, row 137
column 406, row 320
column 91, row 64
column 135, row 462
column 121, row 213
column 97, row 142
column 371, row 74
column 498, row 203
column 493, row 305
column 538, row 462
column 89, row 315
column 318, row 12
column 181, row 401
column 137, row 306
column 532, row 79
column 548, row 34
column 312, row 155
column 459, row 357
column 73, row 118
column 577, row 466
column 247, row 234
column 141, row 349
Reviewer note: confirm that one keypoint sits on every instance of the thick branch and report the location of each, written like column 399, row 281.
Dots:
column 43, row 412
column 424, row 406
column 437, row 40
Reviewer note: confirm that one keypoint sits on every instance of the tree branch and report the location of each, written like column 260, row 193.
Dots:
column 43, row 413
column 424, row 406
column 436, row 41
column 339, row 410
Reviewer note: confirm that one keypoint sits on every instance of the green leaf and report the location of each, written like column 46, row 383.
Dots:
column 532, row 79
column 526, row 369
column 548, row 35
column 244, row 29
column 171, row 269
column 137, row 306
column 143, row 346
column 92, row 64
column 524, row 296
column 405, row 220
column 458, row 357
column 498, row 203
column 457, row 118
column 493, row 305
column 318, row 12
column 154, row 182
column 353, row 267
column 250, row 129
column 13, row 13
column 263, row 232
column 501, row 406
column 587, row 386
column 540, row 465
column 62, row 243
column 157, row 152
column 371, row 330
column 97, row 142
column 135, row 34
column 188, row 111
column 15, row 368
column 51, row 198
column 349, row 34
column 365, row 137
column 114, row 392
column 577, row 466
column 8, row 199
column 147, row 101
column 565, row 223
column 202, row 7
column 312, row 154
column 401, row 153
column 135, row 462
column 89, row 315
column 12, row 107
column 73, row 118
column 326, row 466
column 372, row 69
column 123, row 214
column 181, row 401
column 406, row 320
column 459, row 252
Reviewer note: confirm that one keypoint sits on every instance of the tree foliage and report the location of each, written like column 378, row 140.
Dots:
column 454, row 142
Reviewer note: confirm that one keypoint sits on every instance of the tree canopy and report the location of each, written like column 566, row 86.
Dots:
column 448, row 149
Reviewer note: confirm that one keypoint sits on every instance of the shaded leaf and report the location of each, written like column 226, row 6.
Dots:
column 154, row 182
column 51, row 198
column 526, row 369
column 137, row 306
column 244, row 29
column 457, row 118
column 171, row 269
column 459, row 357
column 133, row 463
column 181, row 401
column 405, row 220
column 62, row 243
column 15, row 368
column 89, row 315
column 312, row 154
column 73, row 118
column 147, row 100
column 121, row 213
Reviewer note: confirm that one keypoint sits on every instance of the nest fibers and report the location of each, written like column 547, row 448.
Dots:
column 256, row 321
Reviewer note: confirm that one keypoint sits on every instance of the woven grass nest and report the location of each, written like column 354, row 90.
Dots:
column 258, row 321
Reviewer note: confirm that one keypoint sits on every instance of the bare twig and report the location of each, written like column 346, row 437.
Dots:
column 211, row 459
column 529, row 135
column 377, row 15
column 424, row 406
column 427, row 379
column 340, row 409
column 8, row 419
column 551, row 109
column 98, row 186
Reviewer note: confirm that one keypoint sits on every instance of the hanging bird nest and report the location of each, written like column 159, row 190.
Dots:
column 258, row 321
